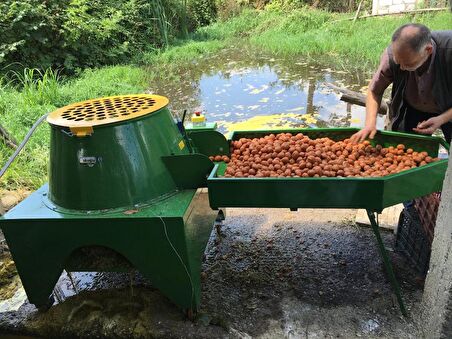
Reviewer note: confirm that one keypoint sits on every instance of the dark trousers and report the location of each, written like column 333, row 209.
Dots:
column 410, row 117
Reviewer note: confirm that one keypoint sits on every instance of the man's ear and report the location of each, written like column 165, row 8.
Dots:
column 429, row 48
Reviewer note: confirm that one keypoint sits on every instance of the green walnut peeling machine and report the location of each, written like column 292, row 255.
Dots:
column 124, row 183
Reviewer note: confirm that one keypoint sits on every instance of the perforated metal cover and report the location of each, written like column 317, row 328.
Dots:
column 102, row 111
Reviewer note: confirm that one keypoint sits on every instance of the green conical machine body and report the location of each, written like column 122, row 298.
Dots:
column 119, row 165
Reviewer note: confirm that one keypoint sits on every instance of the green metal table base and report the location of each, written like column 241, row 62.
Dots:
column 386, row 261
column 164, row 241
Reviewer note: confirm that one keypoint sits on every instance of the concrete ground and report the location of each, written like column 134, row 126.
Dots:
column 272, row 273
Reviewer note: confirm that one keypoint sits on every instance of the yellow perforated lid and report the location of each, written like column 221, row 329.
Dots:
column 80, row 117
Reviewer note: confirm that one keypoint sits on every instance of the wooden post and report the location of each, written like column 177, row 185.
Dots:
column 357, row 11
column 315, row 4
column 349, row 108
column 356, row 97
column 310, row 98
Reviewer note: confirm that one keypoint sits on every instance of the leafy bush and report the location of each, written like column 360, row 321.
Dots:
column 31, row 32
column 75, row 34
column 202, row 12
column 226, row 9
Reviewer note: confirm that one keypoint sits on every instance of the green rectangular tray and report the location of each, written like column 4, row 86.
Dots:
column 369, row 193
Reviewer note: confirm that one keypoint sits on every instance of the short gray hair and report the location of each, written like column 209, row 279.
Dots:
column 418, row 39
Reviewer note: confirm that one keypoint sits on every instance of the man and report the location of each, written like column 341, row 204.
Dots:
column 419, row 65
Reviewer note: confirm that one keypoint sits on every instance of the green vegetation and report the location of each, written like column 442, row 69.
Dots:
column 160, row 50
column 74, row 34
column 319, row 34
column 358, row 44
column 169, row 63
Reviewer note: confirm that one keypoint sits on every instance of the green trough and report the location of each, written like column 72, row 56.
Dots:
column 368, row 193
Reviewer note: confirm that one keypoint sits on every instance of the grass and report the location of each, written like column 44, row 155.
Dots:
column 24, row 97
column 320, row 34
column 162, row 22
column 360, row 43
column 171, row 62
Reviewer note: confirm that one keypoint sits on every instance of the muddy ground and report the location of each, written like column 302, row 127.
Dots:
column 271, row 274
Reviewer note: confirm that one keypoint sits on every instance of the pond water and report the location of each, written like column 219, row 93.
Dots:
column 241, row 88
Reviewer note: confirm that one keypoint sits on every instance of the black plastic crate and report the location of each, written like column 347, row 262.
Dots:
column 412, row 240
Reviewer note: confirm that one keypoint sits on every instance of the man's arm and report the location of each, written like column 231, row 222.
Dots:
column 431, row 125
column 380, row 81
column 373, row 102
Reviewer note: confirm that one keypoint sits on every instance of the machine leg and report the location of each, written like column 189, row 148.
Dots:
column 219, row 222
column 386, row 261
column 221, row 216
column 191, row 314
column 45, row 307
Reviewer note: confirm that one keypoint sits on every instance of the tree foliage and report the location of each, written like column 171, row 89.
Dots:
column 74, row 34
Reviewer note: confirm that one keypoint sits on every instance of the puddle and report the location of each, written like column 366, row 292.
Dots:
column 14, row 302
column 243, row 89
column 71, row 283
column 370, row 326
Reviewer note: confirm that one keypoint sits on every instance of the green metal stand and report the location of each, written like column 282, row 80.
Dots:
column 165, row 241
column 386, row 261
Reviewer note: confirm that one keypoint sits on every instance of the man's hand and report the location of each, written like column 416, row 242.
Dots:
column 373, row 102
column 363, row 134
column 429, row 126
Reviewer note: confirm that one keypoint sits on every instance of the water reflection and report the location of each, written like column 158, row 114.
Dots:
column 241, row 88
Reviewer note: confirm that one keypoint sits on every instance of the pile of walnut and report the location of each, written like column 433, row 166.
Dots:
column 287, row 155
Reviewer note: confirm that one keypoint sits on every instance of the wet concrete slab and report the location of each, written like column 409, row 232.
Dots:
column 270, row 273
column 389, row 217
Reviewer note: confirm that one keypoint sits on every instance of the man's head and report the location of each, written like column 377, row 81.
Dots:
column 411, row 46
